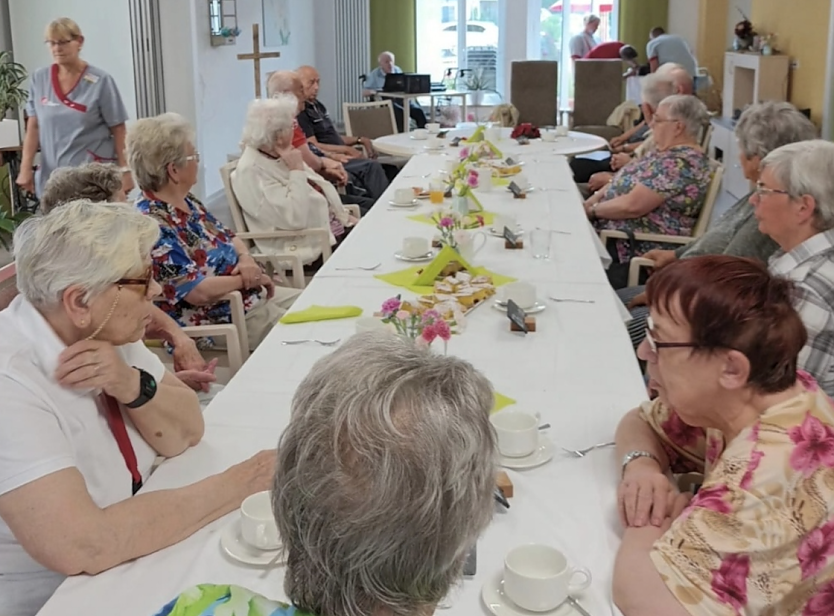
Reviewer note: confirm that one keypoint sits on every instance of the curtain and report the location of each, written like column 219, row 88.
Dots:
column 393, row 28
column 637, row 18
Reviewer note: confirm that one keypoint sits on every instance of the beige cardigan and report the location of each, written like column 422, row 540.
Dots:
column 274, row 198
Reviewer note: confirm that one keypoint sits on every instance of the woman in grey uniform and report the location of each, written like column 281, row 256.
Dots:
column 75, row 113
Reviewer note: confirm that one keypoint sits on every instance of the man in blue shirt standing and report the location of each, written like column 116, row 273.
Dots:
column 374, row 82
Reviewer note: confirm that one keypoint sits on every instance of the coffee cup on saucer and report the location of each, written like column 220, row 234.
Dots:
column 403, row 195
column 522, row 293
column 420, row 133
column 538, row 577
column 562, row 131
column 504, row 220
column 517, row 431
column 257, row 522
column 548, row 135
column 414, row 247
column 434, row 143
column 433, row 127
column 521, row 181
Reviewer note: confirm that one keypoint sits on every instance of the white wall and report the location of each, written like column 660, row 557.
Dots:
column 211, row 87
column 106, row 28
column 683, row 21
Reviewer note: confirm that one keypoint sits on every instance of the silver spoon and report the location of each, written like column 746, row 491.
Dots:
column 359, row 267
column 572, row 300
column 321, row 342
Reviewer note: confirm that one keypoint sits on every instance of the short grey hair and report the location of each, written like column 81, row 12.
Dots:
column 807, row 168
column 96, row 182
column 269, row 120
column 384, row 479
column 80, row 243
column 590, row 19
column 678, row 75
column 154, row 143
column 655, row 88
column 281, row 82
column 389, row 54
column 688, row 110
column 763, row 127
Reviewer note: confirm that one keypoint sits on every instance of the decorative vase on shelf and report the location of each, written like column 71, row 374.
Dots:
column 767, row 50
column 477, row 97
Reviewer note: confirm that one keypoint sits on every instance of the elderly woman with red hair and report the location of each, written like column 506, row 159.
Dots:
column 721, row 346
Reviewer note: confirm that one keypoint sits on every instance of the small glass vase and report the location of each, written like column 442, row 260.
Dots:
column 767, row 50
column 460, row 204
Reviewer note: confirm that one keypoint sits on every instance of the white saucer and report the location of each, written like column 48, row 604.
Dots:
column 434, row 149
column 233, row 544
column 498, row 603
column 419, row 138
column 529, row 189
column 411, row 203
column 534, row 309
column 497, row 233
column 426, row 257
column 544, row 453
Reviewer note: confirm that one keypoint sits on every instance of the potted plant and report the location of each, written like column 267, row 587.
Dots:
column 8, row 223
column 477, row 84
column 12, row 97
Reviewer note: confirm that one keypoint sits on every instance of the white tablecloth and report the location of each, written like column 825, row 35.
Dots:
column 578, row 370
column 404, row 144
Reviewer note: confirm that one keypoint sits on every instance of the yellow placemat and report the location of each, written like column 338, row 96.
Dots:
column 405, row 278
column 501, row 401
column 496, row 181
column 320, row 313
column 489, row 218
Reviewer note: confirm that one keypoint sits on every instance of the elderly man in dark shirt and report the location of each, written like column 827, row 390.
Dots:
column 320, row 131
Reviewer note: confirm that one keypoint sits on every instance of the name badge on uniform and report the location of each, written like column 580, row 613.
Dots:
column 90, row 78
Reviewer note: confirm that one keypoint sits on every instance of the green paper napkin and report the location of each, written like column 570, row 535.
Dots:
column 497, row 181
column 405, row 278
column 489, row 218
column 320, row 313
column 501, row 401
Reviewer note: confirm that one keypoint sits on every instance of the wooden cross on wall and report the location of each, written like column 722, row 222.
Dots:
column 257, row 56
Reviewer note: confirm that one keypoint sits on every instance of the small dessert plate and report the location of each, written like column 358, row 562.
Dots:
column 234, row 545
column 411, row 203
column 536, row 308
column 426, row 257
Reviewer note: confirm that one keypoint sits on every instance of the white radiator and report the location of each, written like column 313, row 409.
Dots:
column 353, row 52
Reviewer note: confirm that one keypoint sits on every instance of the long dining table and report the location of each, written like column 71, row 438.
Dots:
column 577, row 370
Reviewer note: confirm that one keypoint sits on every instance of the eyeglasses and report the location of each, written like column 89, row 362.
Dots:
column 59, row 43
column 761, row 189
column 658, row 120
column 654, row 345
column 195, row 157
column 144, row 282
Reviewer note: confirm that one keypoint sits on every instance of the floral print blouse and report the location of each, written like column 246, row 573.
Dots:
column 758, row 538
column 191, row 247
column 681, row 174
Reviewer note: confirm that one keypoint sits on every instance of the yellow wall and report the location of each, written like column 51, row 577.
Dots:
column 712, row 27
column 801, row 27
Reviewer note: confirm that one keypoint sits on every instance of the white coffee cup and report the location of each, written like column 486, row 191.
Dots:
column 257, row 522
column 522, row 181
column 522, row 293
column 517, row 431
column 433, row 127
column 420, row 133
column 493, row 134
column 549, row 135
column 452, row 164
column 434, row 143
column 505, row 220
column 562, row 131
column 538, row 577
column 403, row 195
column 415, row 246
column 485, row 179
column 369, row 324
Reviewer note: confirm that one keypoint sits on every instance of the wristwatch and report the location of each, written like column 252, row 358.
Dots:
column 147, row 389
column 631, row 456
column 594, row 211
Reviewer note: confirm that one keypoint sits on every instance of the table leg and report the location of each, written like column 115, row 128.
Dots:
column 406, row 103
column 464, row 118
column 431, row 113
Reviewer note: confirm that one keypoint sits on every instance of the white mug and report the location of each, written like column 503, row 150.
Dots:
column 403, row 195
column 433, row 127
column 493, row 134
column 562, row 131
column 505, row 220
column 522, row 293
column 517, row 431
column 521, row 181
column 415, row 246
column 435, row 143
column 452, row 164
column 548, row 135
column 467, row 248
column 369, row 324
column 257, row 522
column 485, row 179
column 420, row 133
column 538, row 577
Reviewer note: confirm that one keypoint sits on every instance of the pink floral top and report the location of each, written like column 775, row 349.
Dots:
column 758, row 538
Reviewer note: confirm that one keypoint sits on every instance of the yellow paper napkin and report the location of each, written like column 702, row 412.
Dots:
column 320, row 313
column 489, row 218
column 497, row 181
column 501, row 401
column 405, row 278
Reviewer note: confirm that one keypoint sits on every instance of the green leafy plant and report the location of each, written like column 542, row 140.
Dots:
column 12, row 77
column 476, row 79
column 8, row 223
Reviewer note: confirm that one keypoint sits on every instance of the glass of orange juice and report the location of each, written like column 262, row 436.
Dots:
column 436, row 190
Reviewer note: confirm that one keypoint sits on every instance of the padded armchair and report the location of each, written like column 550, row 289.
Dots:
column 533, row 91
column 598, row 90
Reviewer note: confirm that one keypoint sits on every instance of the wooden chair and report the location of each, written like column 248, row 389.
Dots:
column 372, row 120
column 598, row 90
column 700, row 227
column 533, row 91
column 705, row 136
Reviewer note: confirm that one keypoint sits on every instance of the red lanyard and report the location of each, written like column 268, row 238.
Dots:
column 117, row 426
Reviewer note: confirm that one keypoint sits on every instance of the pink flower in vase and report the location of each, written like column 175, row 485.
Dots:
column 429, row 333
column 391, row 305
column 464, row 153
column 444, row 332
column 402, row 315
column 472, row 179
column 430, row 316
column 447, row 222
column 480, row 220
column 470, row 117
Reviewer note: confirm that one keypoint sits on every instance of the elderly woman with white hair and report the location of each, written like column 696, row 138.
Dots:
column 196, row 259
column 86, row 409
column 663, row 191
column 793, row 203
column 384, row 482
column 278, row 191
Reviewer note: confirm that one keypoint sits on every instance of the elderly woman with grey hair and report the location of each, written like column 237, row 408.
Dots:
column 86, row 409
column 197, row 260
column 384, row 482
column 761, row 129
column 663, row 191
column 793, row 203
column 276, row 189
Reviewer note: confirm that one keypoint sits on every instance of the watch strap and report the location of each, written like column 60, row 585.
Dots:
column 631, row 456
column 147, row 389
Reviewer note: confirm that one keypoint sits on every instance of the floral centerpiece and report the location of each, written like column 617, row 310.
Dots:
column 453, row 227
column 463, row 185
column 423, row 326
column 525, row 130
column 767, row 43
